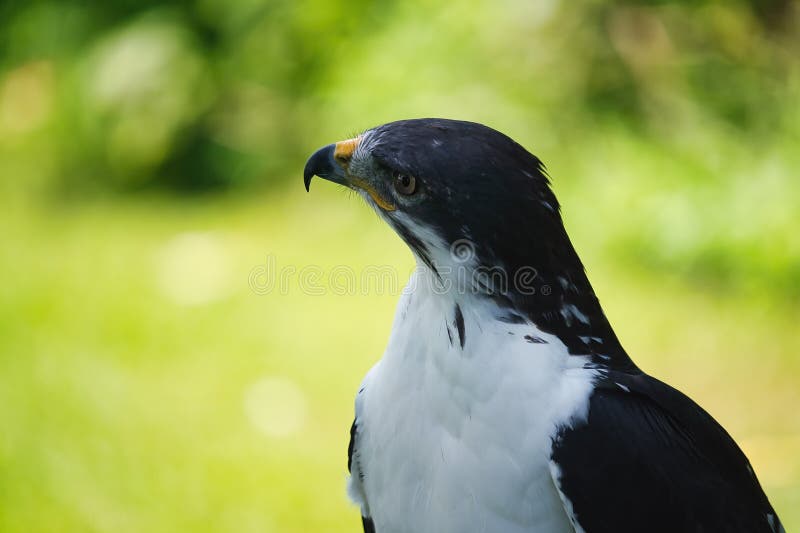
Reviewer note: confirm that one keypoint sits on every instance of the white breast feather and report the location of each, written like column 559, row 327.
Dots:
column 458, row 440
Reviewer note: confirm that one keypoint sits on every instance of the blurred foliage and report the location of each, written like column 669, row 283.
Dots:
column 150, row 151
column 196, row 94
column 211, row 95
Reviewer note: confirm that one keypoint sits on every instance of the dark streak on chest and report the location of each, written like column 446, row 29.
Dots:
column 459, row 324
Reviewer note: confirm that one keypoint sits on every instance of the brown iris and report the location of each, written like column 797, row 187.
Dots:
column 404, row 183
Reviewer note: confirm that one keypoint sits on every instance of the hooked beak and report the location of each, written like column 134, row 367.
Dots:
column 322, row 164
column 332, row 163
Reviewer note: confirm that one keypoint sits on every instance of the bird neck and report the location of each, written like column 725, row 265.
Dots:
column 564, row 303
column 553, row 294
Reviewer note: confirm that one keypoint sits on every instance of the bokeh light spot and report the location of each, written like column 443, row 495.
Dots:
column 26, row 97
column 194, row 269
column 276, row 406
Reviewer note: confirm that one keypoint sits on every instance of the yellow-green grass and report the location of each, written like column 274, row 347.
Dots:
column 145, row 386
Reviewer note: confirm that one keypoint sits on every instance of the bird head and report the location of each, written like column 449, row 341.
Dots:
column 472, row 204
column 457, row 192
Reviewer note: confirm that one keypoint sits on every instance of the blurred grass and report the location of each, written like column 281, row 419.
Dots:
column 124, row 408
column 150, row 155
column 127, row 407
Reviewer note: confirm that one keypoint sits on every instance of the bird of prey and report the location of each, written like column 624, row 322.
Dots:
column 504, row 402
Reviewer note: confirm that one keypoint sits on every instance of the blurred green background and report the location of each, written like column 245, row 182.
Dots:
column 150, row 179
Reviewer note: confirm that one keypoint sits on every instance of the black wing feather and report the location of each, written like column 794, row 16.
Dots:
column 351, row 446
column 366, row 522
column 649, row 459
column 369, row 526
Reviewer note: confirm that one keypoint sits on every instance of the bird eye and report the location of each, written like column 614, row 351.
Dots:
column 404, row 184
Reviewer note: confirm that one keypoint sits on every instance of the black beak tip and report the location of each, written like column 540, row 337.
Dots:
column 319, row 164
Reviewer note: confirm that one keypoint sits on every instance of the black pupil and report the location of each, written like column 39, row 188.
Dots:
column 404, row 183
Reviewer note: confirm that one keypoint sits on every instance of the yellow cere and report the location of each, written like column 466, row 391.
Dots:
column 343, row 152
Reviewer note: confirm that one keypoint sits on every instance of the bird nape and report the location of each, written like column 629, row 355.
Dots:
column 504, row 402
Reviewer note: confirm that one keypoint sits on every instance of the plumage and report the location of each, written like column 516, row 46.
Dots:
column 662, row 462
column 504, row 401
